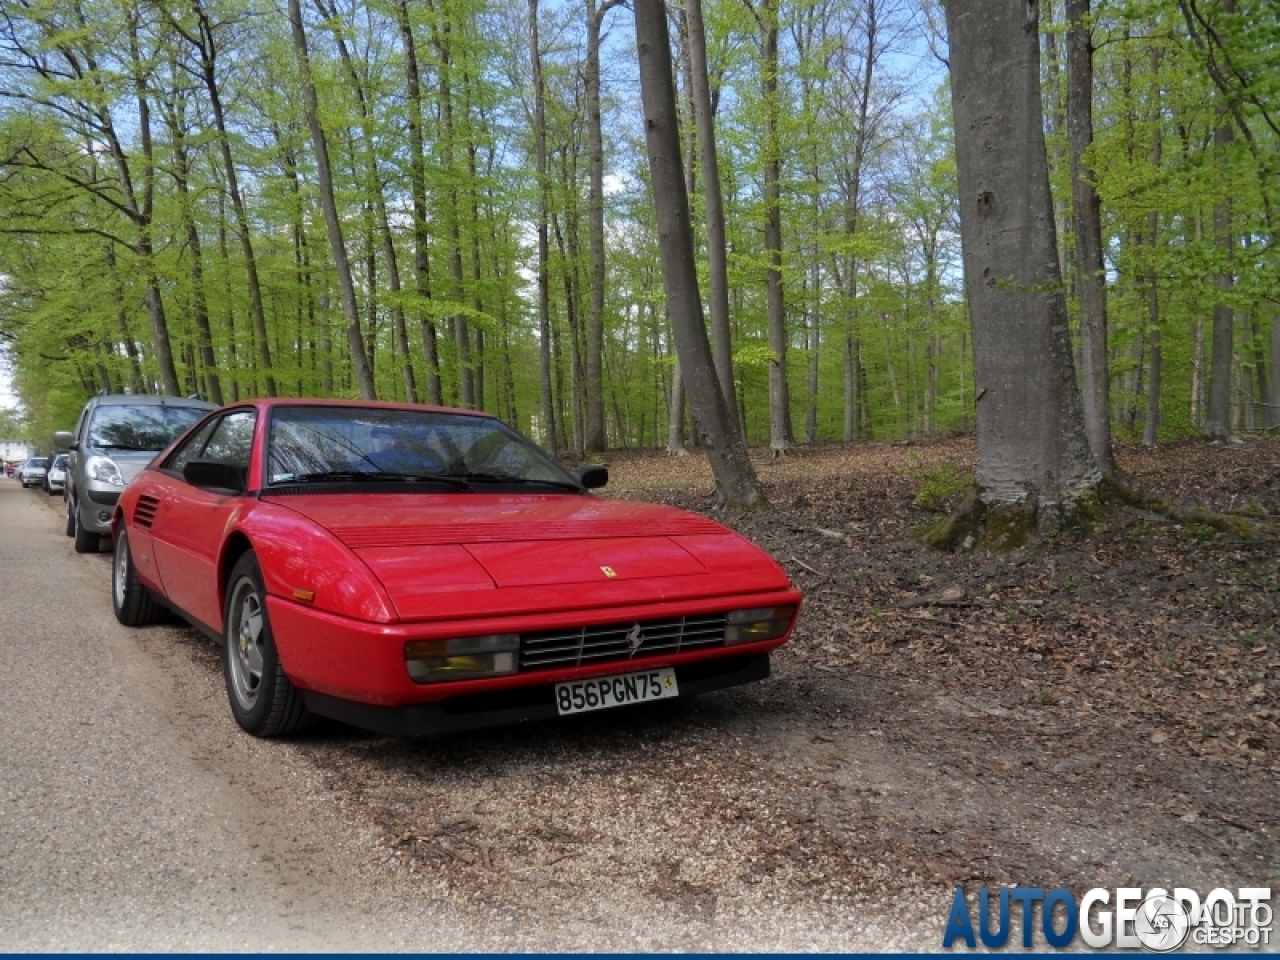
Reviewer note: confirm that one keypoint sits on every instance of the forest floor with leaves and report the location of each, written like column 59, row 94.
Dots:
column 1099, row 710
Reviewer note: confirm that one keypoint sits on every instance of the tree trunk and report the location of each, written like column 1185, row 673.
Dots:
column 418, row 190
column 675, row 415
column 1095, row 374
column 736, row 483
column 595, row 439
column 713, row 201
column 550, row 421
column 324, row 178
column 1217, row 423
column 1034, row 465
column 207, row 48
column 781, row 436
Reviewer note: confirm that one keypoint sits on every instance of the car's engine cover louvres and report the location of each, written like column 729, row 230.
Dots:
column 144, row 512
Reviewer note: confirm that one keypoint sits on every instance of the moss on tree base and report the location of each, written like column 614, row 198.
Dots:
column 977, row 524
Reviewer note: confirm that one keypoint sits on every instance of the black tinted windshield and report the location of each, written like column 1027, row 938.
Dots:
column 37, row 462
column 141, row 427
column 315, row 442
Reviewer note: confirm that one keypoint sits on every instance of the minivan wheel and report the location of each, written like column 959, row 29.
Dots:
column 86, row 542
column 71, row 520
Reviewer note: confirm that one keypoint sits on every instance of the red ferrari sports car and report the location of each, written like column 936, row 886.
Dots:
column 417, row 570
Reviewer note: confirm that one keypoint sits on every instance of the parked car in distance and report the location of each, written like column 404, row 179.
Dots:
column 55, row 479
column 116, row 436
column 421, row 570
column 32, row 472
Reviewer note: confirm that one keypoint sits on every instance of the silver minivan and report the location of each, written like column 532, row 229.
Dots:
column 116, row 436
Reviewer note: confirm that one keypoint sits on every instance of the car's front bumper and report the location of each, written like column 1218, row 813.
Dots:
column 332, row 658
column 499, row 708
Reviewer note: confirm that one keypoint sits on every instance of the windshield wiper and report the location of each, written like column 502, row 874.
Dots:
column 127, row 446
column 360, row 476
column 512, row 478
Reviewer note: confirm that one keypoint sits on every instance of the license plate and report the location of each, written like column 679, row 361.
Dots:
column 601, row 693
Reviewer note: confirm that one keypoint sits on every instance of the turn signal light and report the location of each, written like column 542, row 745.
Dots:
column 462, row 658
column 759, row 623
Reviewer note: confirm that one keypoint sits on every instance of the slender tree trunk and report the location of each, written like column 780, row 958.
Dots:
column 418, row 190
column 675, row 415
column 736, row 483
column 206, row 47
column 595, row 439
column 1217, row 424
column 713, row 201
column 550, row 424
column 324, row 178
column 199, row 302
column 1034, row 464
column 781, row 436
column 1095, row 373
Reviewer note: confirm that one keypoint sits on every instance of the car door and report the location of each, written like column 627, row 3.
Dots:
column 190, row 521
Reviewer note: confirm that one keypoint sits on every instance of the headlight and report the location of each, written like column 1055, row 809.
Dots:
column 103, row 470
column 462, row 658
column 760, row 623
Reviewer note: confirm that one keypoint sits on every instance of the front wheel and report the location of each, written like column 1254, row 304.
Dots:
column 263, row 700
column 71, row 520
column 86, row 542
column 133, row 603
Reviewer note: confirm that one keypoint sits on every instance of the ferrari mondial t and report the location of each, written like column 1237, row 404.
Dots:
column 418, row 570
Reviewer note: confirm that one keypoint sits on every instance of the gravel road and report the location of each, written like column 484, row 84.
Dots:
column 134, row 816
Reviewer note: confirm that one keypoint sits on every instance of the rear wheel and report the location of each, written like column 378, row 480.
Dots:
column 86, row 542
column 133, row 603
column 263, row 700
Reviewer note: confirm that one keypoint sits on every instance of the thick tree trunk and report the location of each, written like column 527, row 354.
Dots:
column 1034, row 465
column 324, row 178
column 1095, row 374
column 675, row 415
column 736, row 483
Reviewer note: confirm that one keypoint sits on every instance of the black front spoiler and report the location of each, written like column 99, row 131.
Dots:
column 519, row 705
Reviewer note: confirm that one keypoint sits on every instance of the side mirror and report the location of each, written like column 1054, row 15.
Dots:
column 214, row 474
column 592, row 477
column 64, row 439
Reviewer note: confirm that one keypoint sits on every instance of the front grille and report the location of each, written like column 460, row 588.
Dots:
column 576, row 646
column 144, row 511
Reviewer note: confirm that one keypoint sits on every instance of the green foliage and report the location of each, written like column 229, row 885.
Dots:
column 936, row 487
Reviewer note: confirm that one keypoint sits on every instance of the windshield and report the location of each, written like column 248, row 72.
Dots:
column 358, row 442
column 141, row 427
column 37, row 462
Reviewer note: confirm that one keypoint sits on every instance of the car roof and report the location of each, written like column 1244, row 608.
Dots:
column 150, row 400
column 267, row 402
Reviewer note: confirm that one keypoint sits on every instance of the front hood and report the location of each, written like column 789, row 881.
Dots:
column 450, row 555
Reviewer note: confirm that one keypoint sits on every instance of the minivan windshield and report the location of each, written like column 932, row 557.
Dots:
column 141, row 426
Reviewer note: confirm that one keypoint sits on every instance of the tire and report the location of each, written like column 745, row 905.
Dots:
column 263, row 700
column 86, row 542
column 71, row 520
column 134, row 604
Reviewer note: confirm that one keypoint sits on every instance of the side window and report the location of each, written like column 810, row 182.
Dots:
column 191, row 449
column 232, row 441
